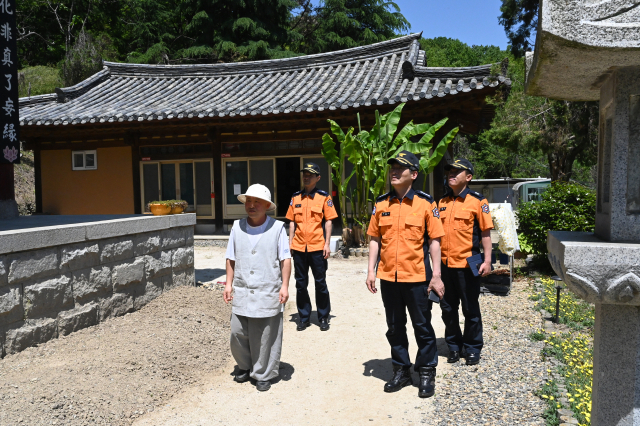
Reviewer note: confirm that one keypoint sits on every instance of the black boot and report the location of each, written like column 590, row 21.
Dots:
column 427, row 382
column 401, row 378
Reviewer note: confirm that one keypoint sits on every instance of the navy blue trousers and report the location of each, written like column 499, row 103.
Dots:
column 397, row 299
column 303, row 260
column 461, row 287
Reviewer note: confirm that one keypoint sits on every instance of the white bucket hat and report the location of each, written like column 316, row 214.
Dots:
column 258, row 191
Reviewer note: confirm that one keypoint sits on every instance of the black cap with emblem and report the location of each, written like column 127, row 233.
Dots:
column 311, row 167
column 407, row 159
column 461, row 164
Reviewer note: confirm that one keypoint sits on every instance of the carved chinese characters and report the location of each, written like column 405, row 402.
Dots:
column 9, row 124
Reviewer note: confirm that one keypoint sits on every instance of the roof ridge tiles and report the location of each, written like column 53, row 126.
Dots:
column 353, row 54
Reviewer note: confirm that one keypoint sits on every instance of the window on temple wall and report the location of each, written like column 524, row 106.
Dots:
column 84, row 160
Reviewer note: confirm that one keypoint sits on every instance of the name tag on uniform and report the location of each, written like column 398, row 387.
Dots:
column 298, row 205
column 386, row 214
column 442, row 209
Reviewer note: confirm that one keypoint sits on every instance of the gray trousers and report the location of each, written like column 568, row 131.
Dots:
column 256, row 345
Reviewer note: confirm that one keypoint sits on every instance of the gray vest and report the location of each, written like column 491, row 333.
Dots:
column 257, row 278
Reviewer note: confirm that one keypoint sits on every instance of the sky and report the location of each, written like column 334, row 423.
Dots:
column 470, row 21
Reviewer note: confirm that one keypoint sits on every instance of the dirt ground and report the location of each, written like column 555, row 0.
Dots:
column 120, row 369
column 169, row 364
column 334, row 377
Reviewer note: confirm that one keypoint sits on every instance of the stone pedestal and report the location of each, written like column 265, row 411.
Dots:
column 608, row 275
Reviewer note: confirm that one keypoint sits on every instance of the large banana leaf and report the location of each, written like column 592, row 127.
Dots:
column 429, row 164
column 331, row 155
column 423, row 146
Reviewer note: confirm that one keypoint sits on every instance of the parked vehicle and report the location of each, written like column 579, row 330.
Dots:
column 524, row 192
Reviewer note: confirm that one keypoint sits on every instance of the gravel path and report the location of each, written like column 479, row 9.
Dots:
column 499, row 390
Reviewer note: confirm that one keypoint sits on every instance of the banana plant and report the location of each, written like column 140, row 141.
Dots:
column 369, row 151
column 335, row 159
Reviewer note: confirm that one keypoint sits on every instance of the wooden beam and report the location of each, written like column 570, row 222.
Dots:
column 133, row 140
column 37, row 169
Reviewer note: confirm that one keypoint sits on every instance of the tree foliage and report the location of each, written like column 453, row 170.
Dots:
column 563, row 207
column 564, row 132
column 520, row 20
column 449, row 52
column 342, row 24
column 201, row 31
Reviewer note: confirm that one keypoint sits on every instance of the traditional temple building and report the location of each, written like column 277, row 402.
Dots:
column 135, row 133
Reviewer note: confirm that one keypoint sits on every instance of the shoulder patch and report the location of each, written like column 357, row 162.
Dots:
column 425, row 196
column 329, row 202
column 383, row 196
column 476, row 195
column 485, row 208
column 373, row 213
column 436, row 213
column 291, row 203
column 321, row 192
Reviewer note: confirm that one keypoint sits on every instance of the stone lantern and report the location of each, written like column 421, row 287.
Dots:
column 590, row 50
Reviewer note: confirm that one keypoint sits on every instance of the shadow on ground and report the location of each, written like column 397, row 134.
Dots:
column 286, row 372
column 313, row 319
column 206, row 275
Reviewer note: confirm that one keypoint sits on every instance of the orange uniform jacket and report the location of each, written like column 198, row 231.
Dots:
column 464, row 218
column 308, row 210
column 405, row 230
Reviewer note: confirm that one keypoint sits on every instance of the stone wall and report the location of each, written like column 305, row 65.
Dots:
column 52, row 291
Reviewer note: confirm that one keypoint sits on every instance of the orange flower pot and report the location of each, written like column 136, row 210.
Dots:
column 159, row 209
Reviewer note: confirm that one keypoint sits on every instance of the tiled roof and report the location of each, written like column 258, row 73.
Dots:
column 383, row 73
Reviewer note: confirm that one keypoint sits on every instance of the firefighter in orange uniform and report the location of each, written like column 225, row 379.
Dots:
column 311, row 212
column 467, row 223
column 405, row 229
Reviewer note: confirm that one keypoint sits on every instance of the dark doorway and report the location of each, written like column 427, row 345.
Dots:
column 288, row 181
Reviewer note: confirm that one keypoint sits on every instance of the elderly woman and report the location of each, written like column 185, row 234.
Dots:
column 258, row 270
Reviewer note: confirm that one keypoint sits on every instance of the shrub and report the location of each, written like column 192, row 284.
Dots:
column 41, row 79
column 563, row 207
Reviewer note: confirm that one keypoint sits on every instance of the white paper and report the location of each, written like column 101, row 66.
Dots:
column 236, row 189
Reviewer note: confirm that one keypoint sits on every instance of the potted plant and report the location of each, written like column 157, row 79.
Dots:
column 159, row 208
column 178, row 206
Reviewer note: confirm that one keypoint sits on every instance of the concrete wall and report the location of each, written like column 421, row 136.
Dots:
column 106, row 190
column 53, row 290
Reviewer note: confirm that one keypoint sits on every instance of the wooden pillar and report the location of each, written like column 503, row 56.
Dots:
column 133, row 139
column 37, row 170
column 216, row 152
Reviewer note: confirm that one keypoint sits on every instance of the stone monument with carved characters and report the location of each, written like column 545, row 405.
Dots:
column 9, row 122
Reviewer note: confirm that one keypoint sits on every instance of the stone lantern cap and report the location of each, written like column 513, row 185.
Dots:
column 577, row 44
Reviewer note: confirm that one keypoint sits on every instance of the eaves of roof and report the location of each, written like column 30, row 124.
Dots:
column 383, row 73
